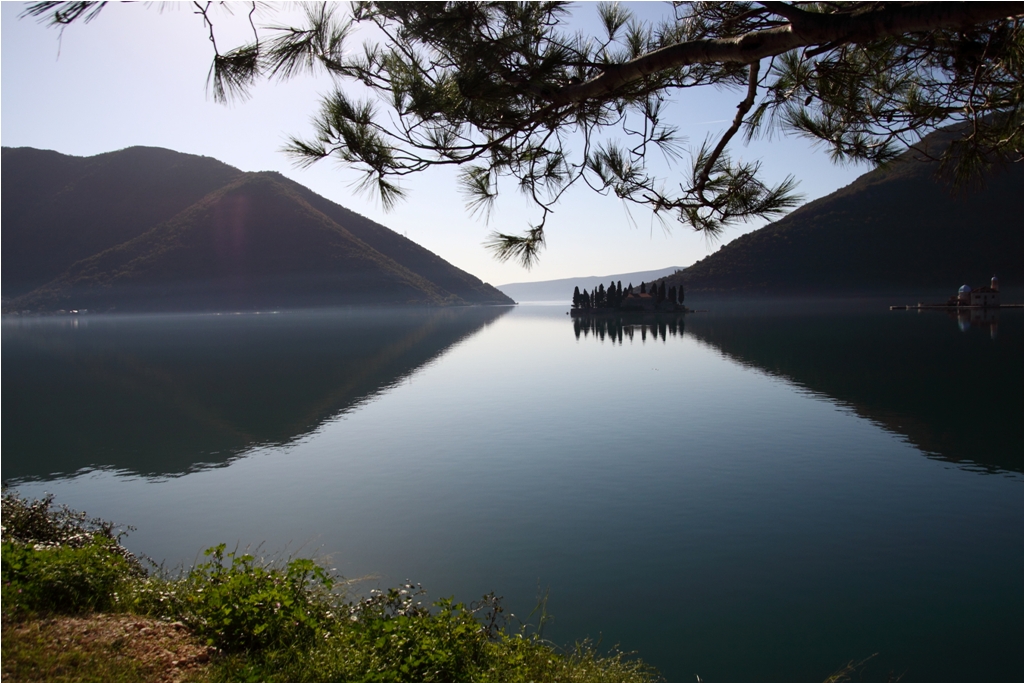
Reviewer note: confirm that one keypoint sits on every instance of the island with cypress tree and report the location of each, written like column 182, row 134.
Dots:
column 615, row 300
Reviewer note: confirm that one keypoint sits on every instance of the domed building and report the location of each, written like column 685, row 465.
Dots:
column 981, row 297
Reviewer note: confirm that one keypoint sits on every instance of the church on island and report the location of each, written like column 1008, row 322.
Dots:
column 980, row 299
column 986, row 296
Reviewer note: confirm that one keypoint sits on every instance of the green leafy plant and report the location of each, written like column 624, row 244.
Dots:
column 39, row 522
column 272, row 621
column 238, row 603
column 402, row 640
column 392, row 637
column 62, row 579
column 56, row 560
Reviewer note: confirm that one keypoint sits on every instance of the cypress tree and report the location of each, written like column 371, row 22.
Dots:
column 576, row 297
column 643, row 288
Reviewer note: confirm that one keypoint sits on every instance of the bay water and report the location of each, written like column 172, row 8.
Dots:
column 758, row 492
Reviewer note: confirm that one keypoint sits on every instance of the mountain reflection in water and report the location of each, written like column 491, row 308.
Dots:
column 161, row 395
column 950, row 383
column 713, row 501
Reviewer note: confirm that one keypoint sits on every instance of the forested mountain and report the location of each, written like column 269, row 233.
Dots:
column 894, row 229
column 59, row 209
column 152, row 229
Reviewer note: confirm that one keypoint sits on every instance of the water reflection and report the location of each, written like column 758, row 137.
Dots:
column 161, row 395
column 629, row 327
column 954, row 396
column 980, row 318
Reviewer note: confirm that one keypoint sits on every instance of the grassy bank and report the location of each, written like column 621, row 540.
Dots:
column 77, row 606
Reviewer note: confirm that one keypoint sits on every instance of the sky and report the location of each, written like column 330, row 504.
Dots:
column 136, row 75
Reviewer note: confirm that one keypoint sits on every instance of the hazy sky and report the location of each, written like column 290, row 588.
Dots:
column 136, row 75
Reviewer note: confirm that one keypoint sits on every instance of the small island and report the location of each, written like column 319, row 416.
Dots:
column 616, row 300
column 984, row 297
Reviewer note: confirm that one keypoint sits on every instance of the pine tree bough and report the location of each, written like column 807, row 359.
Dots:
column 805, row 29
column 509, row 92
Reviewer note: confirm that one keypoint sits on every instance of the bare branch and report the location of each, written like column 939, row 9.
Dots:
column 741, row 111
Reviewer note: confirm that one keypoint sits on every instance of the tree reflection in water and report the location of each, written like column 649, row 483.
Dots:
column 625, row 327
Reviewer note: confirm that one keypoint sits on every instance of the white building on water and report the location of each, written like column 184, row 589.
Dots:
column 982, row 297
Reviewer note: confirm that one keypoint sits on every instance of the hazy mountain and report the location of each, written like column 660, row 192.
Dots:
column 151, row 229
column 561, row 290
column 894, row 229
column 251, row 244
column 59, row 209
column 403, row 251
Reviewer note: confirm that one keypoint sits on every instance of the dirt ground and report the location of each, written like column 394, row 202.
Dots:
column 158, row 651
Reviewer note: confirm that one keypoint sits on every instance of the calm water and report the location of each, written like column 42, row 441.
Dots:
column 757, row 494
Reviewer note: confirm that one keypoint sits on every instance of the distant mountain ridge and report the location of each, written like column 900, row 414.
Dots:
column 894, row 229
column 561, row 290
column 150, row 229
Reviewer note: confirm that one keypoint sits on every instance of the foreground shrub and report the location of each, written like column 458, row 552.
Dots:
column 392, row 638
column 55, row 560
column 508, row 659
column 276, row 621
column 241, row 604
column 63, row 580
column 39, row 522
